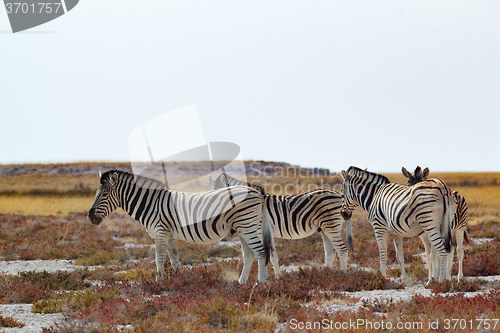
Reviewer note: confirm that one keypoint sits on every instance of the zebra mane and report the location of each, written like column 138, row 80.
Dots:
column 372, row 177
column 240, row 182
column 140, row 181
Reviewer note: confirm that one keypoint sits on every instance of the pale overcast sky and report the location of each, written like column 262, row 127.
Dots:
column 377, row 84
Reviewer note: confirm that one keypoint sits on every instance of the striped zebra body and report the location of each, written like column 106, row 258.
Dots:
column 201, row 218
column 458, row 225
column 300, row 215
column 402, row 211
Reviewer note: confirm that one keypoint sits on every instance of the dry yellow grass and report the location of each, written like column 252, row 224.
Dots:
column 69, row 194
column 483, row 202
column 34, row 182
column 454, row 179
column 43, row 205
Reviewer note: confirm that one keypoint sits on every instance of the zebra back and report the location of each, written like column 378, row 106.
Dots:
column 224, row 181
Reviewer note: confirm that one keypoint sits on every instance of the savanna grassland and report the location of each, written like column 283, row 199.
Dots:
column 43, row 216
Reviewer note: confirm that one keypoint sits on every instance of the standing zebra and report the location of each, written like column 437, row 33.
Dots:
column 299, row 215
column 458, row 225
column 201, row 218
column 401, row 211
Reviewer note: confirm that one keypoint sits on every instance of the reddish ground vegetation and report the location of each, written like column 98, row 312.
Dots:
column 206, row 297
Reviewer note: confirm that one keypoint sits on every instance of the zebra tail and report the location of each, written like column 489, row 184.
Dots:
column 347, row 216
column 350, row 246
column 267, row 234
column 448, row 216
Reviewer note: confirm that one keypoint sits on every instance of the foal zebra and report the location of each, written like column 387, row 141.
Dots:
column 401, row 211
column 299, row 215
column 458, row 225
column 201, row 218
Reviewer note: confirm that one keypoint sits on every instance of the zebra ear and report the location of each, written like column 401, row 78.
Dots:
column 406, row 173
column 345, row 175
column 211, row 180
column 425, row 173
column 418, row 172
column 113, row 179
column 223, row 179
column 100, row 174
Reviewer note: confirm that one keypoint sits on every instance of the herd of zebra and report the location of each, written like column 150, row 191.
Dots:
column 424, row 207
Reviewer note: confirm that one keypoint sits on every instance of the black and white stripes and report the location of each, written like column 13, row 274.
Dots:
column 201, row 218
column 458, row 226
column 300, row 215
column 402, row 211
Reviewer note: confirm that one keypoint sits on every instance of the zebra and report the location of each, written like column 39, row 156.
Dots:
column 299, row 215
column 401, row 211
column 458, row 225
column 201, row 218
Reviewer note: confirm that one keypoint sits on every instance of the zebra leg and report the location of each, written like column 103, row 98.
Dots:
column 460, row 252
column 438, row 247
column 398, row 245
column 449, row 262
column 381, row 237
column 335, row 240
column 443, row 265
column 274, row 261
column 329, row 253
column 248, row 257
column 161, row 243
column 256, row 247
column 429, row 254
column 435, row 263
column 173, row 253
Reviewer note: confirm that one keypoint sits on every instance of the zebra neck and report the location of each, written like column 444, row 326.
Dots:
column 365, row 194
column 140, row 203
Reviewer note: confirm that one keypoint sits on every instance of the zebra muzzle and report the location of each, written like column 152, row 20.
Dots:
column 91, row 216
column 346, row 214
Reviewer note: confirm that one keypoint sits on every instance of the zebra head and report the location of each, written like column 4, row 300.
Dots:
column 219, row 182
column 417, row 176
column 106, row 199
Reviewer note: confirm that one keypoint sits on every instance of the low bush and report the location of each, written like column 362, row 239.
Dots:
column 10, row 322
column 29, row 287
column 453, row 285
